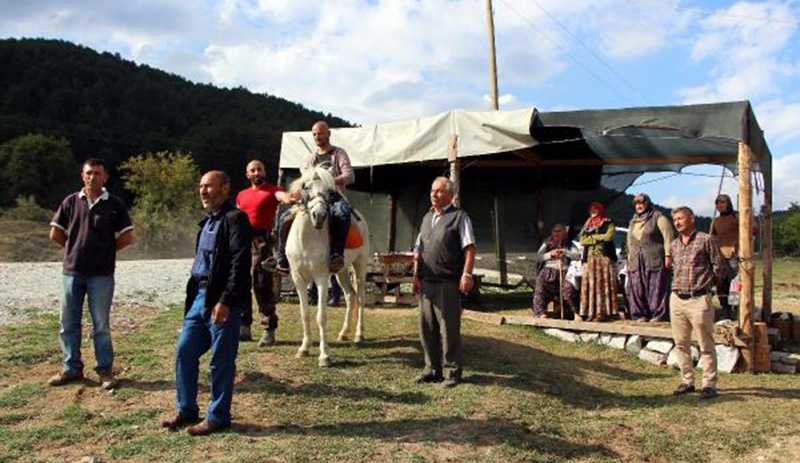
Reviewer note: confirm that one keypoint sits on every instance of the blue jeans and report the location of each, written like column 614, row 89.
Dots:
column 340, row 224
column 100, row 290
column 198, row 335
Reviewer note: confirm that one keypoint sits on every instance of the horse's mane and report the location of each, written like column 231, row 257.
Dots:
column 309, row 174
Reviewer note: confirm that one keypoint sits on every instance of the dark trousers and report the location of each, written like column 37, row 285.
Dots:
column 547, row 290
column 440, row 328
column 263, row 285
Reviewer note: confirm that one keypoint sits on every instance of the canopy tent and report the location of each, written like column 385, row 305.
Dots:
column 547, row 166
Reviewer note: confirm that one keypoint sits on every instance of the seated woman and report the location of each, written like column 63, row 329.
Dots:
column 551, row 282
column 599, row 282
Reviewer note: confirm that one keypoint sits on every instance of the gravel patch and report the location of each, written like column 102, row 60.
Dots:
column 28, row 289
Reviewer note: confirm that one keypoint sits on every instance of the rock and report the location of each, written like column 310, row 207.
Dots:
column 634, row 344
column 727, row 357
column 563, row 335
column 659, row 345
column 589, row 337
column 778, row 356
column 780, row 367
column 605, row 338
column 651, row 356
column 695, row 354
column 672, row 359
column 617, row 341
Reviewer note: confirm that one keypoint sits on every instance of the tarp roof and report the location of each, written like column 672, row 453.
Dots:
column 611, row 141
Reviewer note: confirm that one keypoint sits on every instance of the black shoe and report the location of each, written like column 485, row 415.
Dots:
column 708, row 393
column 337, row 263
column 333, row 302
column 428, row 378
column 683, row 389
column 451, row 382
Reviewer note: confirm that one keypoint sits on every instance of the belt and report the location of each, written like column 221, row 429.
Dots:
column 692, row 294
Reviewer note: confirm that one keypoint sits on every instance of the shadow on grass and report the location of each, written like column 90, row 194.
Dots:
column 742, row 393
column 255, row 382
column 146, row 386
column 460, row 431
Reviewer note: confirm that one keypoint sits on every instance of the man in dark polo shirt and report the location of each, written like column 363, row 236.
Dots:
column 443, row 260
column 217, row 290
column 260, row 202
column 91, row 225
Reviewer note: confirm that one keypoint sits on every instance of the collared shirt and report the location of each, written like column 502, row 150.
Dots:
column 92, row 229
column 697, row 264
column 204, row 258
column 465, row 232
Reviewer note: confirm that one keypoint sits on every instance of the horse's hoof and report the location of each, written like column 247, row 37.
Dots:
column 324, row 362
column 342, row 337
column 301, row 354
column 359, row 339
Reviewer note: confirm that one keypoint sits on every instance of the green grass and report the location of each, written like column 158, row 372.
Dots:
column 526, row 397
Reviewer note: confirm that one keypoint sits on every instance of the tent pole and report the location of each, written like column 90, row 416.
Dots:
column 455, row 167
column 499, row 243
column 392, row 222
column 766, row 243
column 746, row 264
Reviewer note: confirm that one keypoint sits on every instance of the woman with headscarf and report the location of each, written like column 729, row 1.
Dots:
column 726, row 229
column 599, row 282
column 552, row 285
column 649, row 262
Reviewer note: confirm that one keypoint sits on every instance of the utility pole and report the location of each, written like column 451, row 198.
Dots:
column 492, row 55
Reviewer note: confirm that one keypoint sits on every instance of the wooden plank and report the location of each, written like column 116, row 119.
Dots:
column 477, row 162
column 746, row 264
column 766, row 243
column 484, row 317
column 604, row 327
column 389, row 299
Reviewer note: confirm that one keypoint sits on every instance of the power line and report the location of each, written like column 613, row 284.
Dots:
column 569, row 54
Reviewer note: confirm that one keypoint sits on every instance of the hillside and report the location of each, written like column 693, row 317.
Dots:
column 112, row 108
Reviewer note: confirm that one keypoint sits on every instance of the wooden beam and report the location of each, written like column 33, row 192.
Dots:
column 746, row 264
column 479, row 162
column 499, row 240
column 392, row 222
column 455, row 166
column 646, row 331
column 484, row 317
column 766, row 242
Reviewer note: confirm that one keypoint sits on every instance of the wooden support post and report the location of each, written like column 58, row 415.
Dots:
column 746, row 264
column 392, row 222
column 766, row 242
column 499, row 242
column 455, row 166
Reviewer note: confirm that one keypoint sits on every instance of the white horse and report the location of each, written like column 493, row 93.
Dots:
column 308, row 251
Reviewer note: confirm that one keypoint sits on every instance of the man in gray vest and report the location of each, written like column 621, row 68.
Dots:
column 649, row 262
column 443, row 260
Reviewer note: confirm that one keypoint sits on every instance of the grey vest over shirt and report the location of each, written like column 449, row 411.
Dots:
column 442, row 257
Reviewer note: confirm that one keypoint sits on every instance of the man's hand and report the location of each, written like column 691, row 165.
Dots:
column 668, row 262
column 557, row 253
column 220, row 313
column 415, row 285
column 465, row 284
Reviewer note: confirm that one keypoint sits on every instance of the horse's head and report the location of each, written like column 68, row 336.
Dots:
column 315, row 186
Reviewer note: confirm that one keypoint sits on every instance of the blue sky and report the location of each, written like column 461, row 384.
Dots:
column 373, row 61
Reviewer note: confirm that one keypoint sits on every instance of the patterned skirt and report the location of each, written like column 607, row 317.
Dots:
column 599, row 289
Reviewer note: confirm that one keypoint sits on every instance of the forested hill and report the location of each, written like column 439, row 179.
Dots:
column 112, row 108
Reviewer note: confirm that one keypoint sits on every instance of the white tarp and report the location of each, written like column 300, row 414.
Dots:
column 423, row 139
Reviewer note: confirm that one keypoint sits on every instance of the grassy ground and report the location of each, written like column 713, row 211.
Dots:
column 526, row 397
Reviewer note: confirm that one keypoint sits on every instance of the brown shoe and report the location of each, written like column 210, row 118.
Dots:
column 205, row 428
column 65, row 377
column 107, row 380
column 179, row 421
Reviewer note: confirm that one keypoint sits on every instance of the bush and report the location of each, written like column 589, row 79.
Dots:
column 786, row 232
column 26, row 208
column 166, row 208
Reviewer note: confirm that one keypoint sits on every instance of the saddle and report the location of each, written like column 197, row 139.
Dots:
column 352, row 241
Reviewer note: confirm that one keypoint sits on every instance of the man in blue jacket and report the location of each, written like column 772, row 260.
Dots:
column 217, row 290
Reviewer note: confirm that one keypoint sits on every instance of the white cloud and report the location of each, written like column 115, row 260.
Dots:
column 786, row 180
column 780, row 121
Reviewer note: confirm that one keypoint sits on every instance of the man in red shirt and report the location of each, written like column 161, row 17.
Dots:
column 260, row 202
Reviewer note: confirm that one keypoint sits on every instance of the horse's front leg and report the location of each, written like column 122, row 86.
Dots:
column 347, row 290
column 322, row 303
column 305, row 319
column 359, row 296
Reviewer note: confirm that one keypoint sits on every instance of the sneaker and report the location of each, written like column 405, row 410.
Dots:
column 708, row 393
column 267, row 339
column 107, row 380
column 337, row 263
column 65, row 377
column 244, row 334
column 683, row 389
